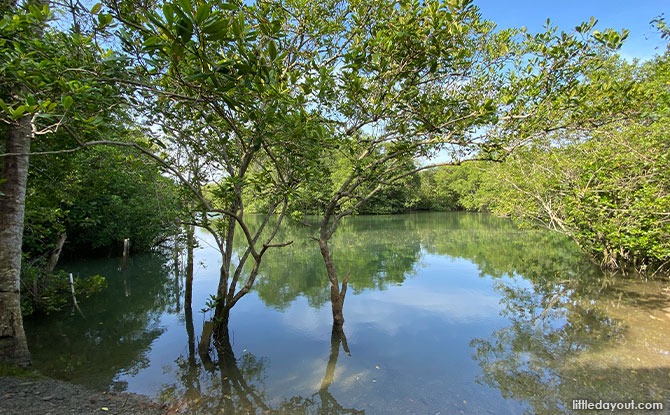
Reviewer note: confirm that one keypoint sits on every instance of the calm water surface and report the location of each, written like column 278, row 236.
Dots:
column 446, row 313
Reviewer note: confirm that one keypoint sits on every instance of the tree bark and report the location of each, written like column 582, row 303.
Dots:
column 337, row 293
column 222, row 309
column 55, row 254
column 13, row 343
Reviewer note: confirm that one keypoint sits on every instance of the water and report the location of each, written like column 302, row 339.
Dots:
column 446, row 313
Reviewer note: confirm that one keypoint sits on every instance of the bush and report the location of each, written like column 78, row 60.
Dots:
column 45, row 293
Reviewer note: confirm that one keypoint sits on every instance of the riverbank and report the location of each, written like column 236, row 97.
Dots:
column 26, row 395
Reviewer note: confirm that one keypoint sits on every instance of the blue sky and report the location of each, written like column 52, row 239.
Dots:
column 643, row 41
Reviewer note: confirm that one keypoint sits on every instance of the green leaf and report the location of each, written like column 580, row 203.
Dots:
column 186, row 6
column 104, row 20
column 18, row 112
column 198, row 76
column 228, row 6
column 168, row 12
column 96, row 8
column 214, row 26
column 203, row 13
column 237, row 30
column 272, row 50
column 67, row 101
column 185, row 29
column 35, row 12
column 257, row 143
column 151, row 41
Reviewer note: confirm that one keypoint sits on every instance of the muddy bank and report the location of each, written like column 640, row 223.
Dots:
column 20, row 395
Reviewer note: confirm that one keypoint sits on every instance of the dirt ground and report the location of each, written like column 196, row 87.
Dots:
column 19, row 395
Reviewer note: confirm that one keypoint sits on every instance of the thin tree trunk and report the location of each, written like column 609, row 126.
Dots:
column 13, row 343
column 337, row 293
column 177, row 278
column 55, row 254
column 221, row 319
column 188, row 294
column 221, row 311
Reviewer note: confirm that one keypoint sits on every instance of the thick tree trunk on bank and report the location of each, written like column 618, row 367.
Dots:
column 337, row 293
column 13, row 344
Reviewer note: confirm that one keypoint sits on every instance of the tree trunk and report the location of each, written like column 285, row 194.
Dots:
column 13, row 344
column 337, row 293
column 222, row 311
column 188, row 294
column 55, row 254
column 221, row 319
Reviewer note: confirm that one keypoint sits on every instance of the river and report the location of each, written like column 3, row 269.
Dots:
column 446, row 313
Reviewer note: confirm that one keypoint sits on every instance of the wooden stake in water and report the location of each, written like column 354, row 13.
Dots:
column 74, row 297
column 126, row 252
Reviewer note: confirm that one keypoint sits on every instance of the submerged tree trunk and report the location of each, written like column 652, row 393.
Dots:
column 222, row 309
column 13, row 344
column 337, row 293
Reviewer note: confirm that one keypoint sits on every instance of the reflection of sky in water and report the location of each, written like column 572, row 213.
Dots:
column 409, row 344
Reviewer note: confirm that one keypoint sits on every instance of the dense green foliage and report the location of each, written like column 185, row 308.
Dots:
column 46, row 293
column 294, row 107
column 452, row 187
column 95, row 198
column 98, row 197
column 56, row 78
column 606, row 186
column 68, row 86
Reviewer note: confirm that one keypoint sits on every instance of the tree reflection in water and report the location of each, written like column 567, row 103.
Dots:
column 562, row 346
column 234, row 385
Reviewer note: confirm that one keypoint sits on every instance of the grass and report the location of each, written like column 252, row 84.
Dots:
column 18, row 371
